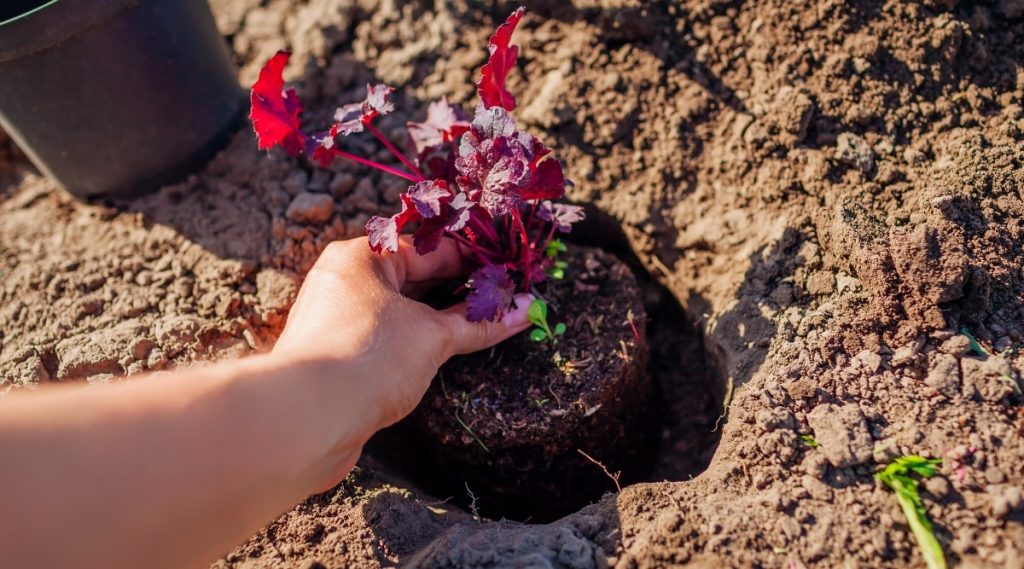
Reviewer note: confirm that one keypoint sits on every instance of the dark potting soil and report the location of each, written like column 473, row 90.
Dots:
column 505, row 428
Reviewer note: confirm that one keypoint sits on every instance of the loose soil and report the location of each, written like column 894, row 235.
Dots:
column 830, row 191
column 510, row 424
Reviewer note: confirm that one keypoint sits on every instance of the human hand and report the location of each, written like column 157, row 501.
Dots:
column 356, row 308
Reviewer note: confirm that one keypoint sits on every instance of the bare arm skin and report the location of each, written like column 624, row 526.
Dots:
column 175, row 470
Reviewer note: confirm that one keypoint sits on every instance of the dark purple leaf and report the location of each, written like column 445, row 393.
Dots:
column 493, row 164
column 561, row 215
column 429, row 197
column 490, row 294
column 453, row 217
column 383, row 232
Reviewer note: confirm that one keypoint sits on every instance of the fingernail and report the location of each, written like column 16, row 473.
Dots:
column 517, row 317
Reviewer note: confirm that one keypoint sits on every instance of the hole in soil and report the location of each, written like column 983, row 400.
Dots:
column 687, row 404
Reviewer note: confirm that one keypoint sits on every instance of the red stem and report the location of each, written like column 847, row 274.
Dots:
column 391, row 147
column 377, row 165
column 527, row 260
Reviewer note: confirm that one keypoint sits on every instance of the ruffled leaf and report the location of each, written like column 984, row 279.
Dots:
column 563, row 216
column 275, row 110
column 491, row 290
column 445, row 123
column 429, row 197
column 453, row 217
column 491, row 85
column 383, row 232
column 493, row 163
column 353, row 117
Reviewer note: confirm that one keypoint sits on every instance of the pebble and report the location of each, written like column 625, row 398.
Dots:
column 957, row 345
column 994, row 476
column 944, row 375
column 310, row 208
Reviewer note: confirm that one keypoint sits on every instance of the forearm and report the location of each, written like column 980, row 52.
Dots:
column 168, row 471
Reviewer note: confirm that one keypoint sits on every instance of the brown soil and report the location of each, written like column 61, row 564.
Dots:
column 509, row 424
column 830, row 190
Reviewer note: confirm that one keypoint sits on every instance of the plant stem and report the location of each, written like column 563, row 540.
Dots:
column 527, row 257
column 377, row 165
column 387, row 144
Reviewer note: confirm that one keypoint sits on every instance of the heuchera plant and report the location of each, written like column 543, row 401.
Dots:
column 484, row 183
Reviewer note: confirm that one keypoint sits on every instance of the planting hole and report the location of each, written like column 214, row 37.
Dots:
column 674, row 439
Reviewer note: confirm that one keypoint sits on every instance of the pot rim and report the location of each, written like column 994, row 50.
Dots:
column 53, row 23
column 29, row 13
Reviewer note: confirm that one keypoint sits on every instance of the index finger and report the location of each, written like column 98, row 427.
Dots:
column 445, row 262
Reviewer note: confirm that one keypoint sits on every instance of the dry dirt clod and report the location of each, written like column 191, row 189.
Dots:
column 842, row 433
column 312, row 208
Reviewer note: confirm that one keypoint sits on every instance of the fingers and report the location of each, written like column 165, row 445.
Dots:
column 467, row 337
column 445, row 262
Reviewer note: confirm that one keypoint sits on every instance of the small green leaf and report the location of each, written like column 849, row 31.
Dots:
column 557, row 273
column 559, row 329
column 538, row 335
column 538, row 313
column 809, row 441
column 975, row 345
column 555, row 247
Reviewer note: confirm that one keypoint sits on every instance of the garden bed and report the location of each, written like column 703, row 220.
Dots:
column 829, row 193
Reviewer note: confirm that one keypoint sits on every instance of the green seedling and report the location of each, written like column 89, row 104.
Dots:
column 981, row 351
column 898, row 476
column 538, row 316
column 553, row 250
column 810, row 441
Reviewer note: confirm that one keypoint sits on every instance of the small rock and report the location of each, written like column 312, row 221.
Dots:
column 937, row 486
column 842, row 433
column 1005, row 499
column 275, row 289
column 904, row 355
column 311, row 208
column 1002, row 344
column 869, row 360
column 140, row 349
column 994, row 476
column 296, row 182
column 855, row 151
column 816, row 488
column 957, row 346
column 176, row 333
column 944, row 375
column 342, row 184
column 775, row 418
column 885, row 451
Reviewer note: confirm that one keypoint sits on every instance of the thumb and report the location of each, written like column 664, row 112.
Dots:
column 468, row 337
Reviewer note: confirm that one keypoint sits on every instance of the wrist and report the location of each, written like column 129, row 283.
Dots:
column 321, row 425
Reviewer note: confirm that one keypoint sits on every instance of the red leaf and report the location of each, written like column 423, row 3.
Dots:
column 491, row 85
column 275, row 111
column 547, row 182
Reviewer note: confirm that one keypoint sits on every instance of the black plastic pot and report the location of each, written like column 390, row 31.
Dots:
column 116, row 96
